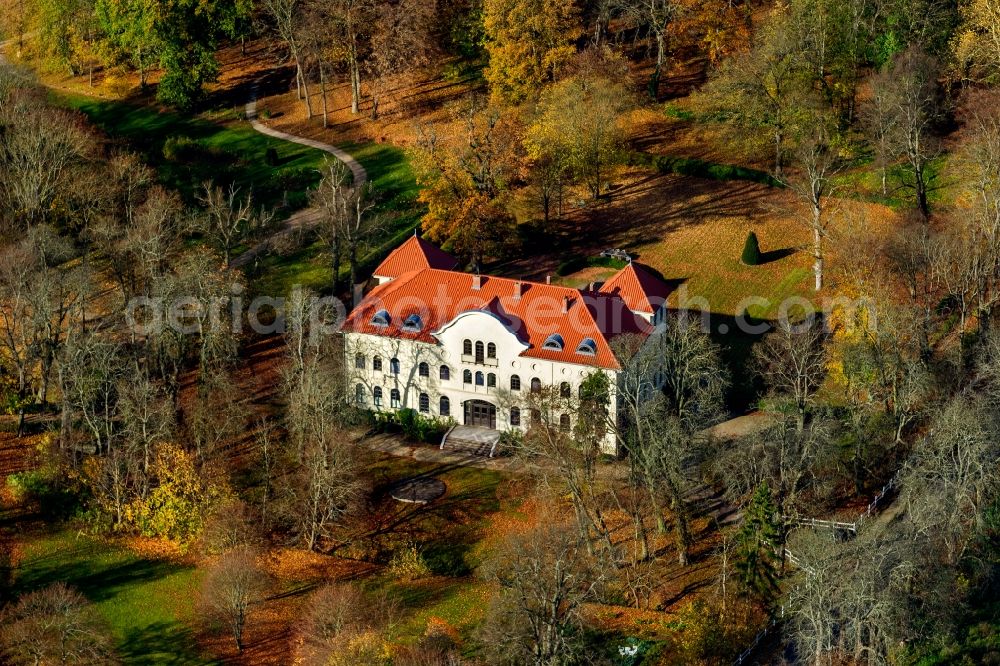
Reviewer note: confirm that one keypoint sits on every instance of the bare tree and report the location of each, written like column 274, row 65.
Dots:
column 402, row 41
column 348, row 222
column 145, row 416
column 950, row 477
column 54, row 625
column 336, row 613
column 817, row 154
column 790, row 461
column 654, row 16
column 571, row 462
column 545, row 577
column 40, row 150
column 287, row 16
column 229, row 218
column 230, row 526
column 232, row 586
column 792, row 359
column 908, row 92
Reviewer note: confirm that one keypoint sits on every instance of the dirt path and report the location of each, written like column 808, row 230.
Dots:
column 307, row 217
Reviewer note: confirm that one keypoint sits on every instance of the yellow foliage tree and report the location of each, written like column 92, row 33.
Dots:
column 177, row 506
column 977, row 44
column 464, row 182
column 528, row 41
column 578, row 124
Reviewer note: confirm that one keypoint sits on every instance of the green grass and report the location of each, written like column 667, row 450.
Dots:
column 395, row 188
column 226, row 153
column 149, row 604
column 453, row 530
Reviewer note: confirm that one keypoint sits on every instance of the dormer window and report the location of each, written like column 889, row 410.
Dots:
column 553, row 342
column 413, row 323
column 587, row 346
column 381, row 319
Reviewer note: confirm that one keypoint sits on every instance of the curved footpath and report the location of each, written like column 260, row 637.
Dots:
column 307, row 217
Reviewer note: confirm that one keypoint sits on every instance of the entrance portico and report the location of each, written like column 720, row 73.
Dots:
column 480, row 413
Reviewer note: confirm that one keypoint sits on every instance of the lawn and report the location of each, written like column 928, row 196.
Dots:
column 200, row 150
column 149, row 603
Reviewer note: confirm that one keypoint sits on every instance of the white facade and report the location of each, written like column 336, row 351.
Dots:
column 477, row 361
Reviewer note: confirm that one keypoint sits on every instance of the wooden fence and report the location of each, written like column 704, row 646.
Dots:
column 870, row 510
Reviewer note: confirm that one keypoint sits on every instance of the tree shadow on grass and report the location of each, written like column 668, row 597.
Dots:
column 82, row 567
column 776, row 255
column 165, row 643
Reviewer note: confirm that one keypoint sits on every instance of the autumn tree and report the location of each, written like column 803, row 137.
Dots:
column 466, row 178
column 527, row 42
column 759, row 93
column 234, row 583
column 977, row 41
column 68, row 31
column 129, row 36
column 55, row 625
column 577, row 126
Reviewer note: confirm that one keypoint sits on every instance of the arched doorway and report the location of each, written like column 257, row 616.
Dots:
column 480, row 413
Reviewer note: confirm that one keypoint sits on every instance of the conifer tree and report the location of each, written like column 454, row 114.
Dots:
column 751, row 250
column 756, row 543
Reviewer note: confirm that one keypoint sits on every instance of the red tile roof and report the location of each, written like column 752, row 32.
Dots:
column 642, row 291
column 414, row 254
column 439, row 296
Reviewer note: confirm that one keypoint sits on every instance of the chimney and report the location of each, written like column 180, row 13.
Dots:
column 565, row 304
column 518, row 290
column 548, row 279
column 477, row 282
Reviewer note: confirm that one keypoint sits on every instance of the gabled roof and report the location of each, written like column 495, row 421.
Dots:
column 414, row 254
column 440, row 296
column 641, row 291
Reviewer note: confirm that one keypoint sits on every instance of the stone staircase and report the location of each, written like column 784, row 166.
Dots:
column 471, row 440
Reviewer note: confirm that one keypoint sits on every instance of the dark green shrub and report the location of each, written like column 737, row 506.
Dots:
column 571, row 266
column 179, row 148
column 751, row 250
column 414, row 425
column 42, row 487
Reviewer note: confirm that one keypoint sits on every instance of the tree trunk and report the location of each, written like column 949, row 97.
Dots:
column 322, row 93
column 353, row 259
column 335, row 248
column 817, row 248
column 305, row 91
column 355, row 79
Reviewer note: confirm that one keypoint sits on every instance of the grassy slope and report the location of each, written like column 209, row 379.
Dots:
column 233, row 151
column 147, row 602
